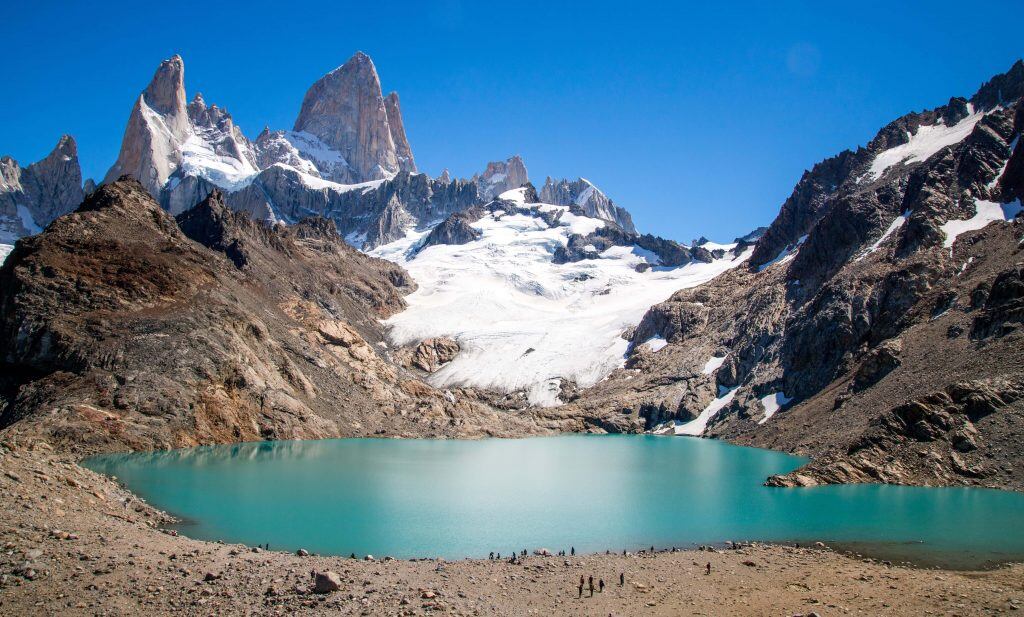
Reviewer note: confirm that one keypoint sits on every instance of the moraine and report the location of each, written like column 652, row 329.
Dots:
column 428, row 498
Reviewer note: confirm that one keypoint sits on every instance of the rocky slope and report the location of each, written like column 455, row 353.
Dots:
column 32, row 196
column 877, row 324
column 122, row 327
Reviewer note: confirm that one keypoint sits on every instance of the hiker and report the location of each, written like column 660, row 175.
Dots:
column 581, row 580
column 600, row 585
column 581, row 587
column 622, row 579
column 591, row 583
column 572, row 551
column 708, row 568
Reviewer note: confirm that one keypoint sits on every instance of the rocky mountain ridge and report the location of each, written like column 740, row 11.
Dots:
column 861, row 330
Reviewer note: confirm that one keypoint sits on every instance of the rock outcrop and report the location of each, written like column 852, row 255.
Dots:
column 433, row 353
column 501, row 176
column 456, row 229
column 32, row 197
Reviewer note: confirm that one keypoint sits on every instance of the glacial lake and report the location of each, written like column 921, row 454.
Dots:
column 455, row 499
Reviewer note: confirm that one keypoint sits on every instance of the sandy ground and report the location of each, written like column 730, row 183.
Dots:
column 75, row 543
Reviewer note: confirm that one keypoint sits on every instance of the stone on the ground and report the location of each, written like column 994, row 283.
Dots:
column 326, row 582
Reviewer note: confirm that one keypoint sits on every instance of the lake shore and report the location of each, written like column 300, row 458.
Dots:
column 75, row 542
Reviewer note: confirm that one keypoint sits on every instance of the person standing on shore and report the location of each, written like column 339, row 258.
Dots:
column 572, row 551
column 708, row 571
column 591, row 584
column 581, row 587
column 622, row 579
column 600, row 585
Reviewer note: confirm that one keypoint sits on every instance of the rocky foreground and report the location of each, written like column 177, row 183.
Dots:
column 76, row 543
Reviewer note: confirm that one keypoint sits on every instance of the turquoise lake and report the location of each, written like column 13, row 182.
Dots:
column 454, row 499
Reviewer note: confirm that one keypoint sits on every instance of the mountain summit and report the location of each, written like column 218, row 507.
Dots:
column 347, row 111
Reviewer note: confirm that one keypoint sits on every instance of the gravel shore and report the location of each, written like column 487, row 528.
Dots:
column 76, row 543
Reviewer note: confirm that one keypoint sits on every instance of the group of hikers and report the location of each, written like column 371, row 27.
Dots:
column 518, row 556
column 600, row 584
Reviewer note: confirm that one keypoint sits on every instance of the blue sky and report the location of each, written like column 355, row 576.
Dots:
column 698, row 119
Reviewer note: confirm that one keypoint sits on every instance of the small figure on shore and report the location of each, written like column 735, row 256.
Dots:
column 352, row 556
column 581, row 580
column 652, row 550
column 491, row 556
column 572, row 551
column 581, row 587
column 591, row 584
column 707, row 568
column 622, row 579
column 600, row 585
column 499, row 556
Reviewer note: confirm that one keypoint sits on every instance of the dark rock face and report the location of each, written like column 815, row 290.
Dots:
column 45, row 190
column 455, row 229
column 670, row 253
column 376, row 214
column 1003, row 308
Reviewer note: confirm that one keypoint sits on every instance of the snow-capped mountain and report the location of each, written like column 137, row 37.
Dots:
column 523, row 319
column 584, row 194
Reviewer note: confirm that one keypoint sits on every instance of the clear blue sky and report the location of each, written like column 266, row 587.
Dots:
column 699, row 120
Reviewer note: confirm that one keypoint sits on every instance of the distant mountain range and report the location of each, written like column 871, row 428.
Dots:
column 208, row 292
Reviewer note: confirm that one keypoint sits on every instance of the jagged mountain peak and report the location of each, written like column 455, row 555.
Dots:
column 346, row 110
column 165, row 93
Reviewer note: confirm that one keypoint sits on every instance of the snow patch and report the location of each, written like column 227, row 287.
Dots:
column 898, row 222
column 985, row 213
column 713, row 364
column 656, row 343
column 697, row 426
column 928, row 140
column 27, row 221
column 785, row 255
column 5, row 250
column 772, row 403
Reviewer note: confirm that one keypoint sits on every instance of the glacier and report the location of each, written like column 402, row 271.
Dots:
column 523, row 322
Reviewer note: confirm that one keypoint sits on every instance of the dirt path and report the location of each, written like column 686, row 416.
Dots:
column 75, row 543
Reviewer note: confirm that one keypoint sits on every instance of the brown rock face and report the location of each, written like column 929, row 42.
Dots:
column 433, row 353
column 347, row 111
